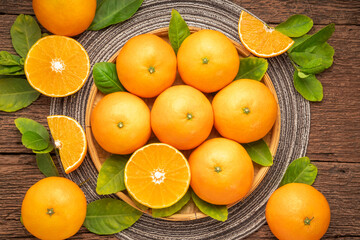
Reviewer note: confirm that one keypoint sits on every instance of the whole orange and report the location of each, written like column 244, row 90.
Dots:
column 182, row 117
column 53, row 208
column 221, row 171
column 120, row 123
column 65, row 17
column 297, row 211
column 208, row 60
column 244, row 111
column 146, row 65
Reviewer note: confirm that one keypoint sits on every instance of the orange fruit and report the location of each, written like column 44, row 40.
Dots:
column 57, row 66
column 157, row 175
column 65, row 17
column 120, row 123
column 207, row 60
column 244, row 111
column 221, row 171
column 260, row 39
column 297, row 211
column 53, row 208
column 182, row 117
column 146, row 65
column 70, row 140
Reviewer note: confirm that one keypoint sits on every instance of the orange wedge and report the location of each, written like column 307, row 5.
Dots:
column 70, row 140
column 57, row 66
column 157, row 175
column 260, row 39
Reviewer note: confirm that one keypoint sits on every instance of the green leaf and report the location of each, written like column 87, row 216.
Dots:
column 110, row 12
column 298, row 41
column 111, row 175
column 15, row 94
column 318, row 38
column 98, row 2
column 46, row 165
column 46, row 150
column 8, row 59
column 25, row 125
column 106, row 78
column 11, row 70
column 259, row 152
column 24, row 33
column 252, row 68
column 295, row 26
column 108, row 216
column 310, row 88
column 303, row 75
column 218, row 212
column 32, row 140
column 21, row 220
column 316, row 60
column 44, row 35
column 178, row 30
column 300, row 171
column 165, row 212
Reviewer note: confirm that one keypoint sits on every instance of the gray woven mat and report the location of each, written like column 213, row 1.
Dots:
column 248, row 215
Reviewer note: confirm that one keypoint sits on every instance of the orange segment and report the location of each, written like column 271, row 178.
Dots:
column 57, row 66
column 157, row 175
column 260, row 39
column 70, row 139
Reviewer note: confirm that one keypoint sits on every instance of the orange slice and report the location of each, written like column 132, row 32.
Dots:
column 157, row 175
column 260, row 39
column 57, row 66
column 70, row 140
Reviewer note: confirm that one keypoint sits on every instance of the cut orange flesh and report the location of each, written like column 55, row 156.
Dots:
column 157, row 175
column 57, row 66
column 260, row 39
column 70, row 140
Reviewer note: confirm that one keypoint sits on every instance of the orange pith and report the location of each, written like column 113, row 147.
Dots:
column 261, row 40
column 57, row 66
column 69, row 138
column 157, row 175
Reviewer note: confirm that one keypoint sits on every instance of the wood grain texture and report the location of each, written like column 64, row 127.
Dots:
column 335, row 122
column 339, row 182
column 322, row 12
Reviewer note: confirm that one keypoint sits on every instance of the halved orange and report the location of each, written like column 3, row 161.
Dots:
column 57, row 66
column 260, row 39
column 70, row 140
column 157, row 175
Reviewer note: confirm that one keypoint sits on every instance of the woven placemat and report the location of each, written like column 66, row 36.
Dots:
column 248, row 215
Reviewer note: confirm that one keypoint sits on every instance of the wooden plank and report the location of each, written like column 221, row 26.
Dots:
column 337, row 181
column 271, row 11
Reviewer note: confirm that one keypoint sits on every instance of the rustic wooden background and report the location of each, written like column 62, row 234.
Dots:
column 334, row 145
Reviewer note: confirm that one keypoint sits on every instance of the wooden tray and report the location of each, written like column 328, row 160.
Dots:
column 190, row 211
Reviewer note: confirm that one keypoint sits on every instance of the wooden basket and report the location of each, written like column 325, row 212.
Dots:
column 189, row 211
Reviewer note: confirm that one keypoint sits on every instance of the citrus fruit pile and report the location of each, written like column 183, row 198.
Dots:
column 181, row 115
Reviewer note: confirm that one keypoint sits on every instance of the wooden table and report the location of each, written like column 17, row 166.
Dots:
column 334, row 145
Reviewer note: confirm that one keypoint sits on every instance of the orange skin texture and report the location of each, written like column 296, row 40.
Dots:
column 65, row 17
column 234, row 180
column 222, row 56
column 137, row 56
column 134, row 115
column 67, row 201
column 230, row 119
column 289, row 205
column 169, row 117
